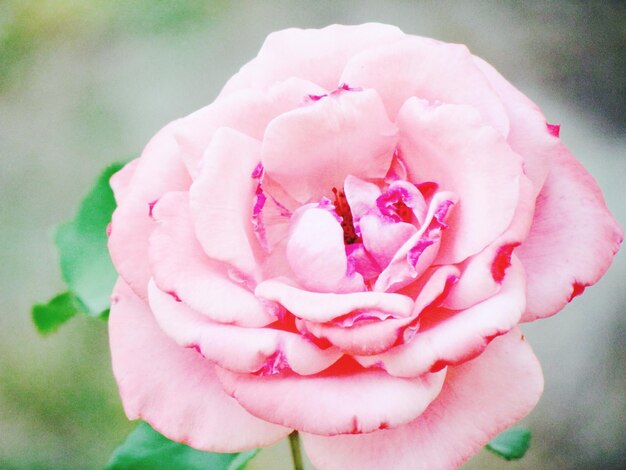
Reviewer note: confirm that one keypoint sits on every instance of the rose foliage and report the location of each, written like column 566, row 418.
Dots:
column 344, row 244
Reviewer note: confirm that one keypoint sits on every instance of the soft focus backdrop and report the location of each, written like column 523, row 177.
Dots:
column 85, row 83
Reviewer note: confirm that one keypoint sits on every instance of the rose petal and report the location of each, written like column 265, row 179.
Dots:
column 246, row 111
column 310, row 150
column 528, row 135
column 120, row 181
column 318, row 55
column 483, row 273
column 175, row 389
column 331, row 404
column 233, row 347
column 479, row 399
column 447, row 337
column 316, row 252
column 452, row 146
column 160, row 170
column 323, row 307
column 428, row 69
column 572, row 240
column 180, row 267
column 222, row 199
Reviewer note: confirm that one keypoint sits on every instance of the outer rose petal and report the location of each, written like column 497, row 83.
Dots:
column 312, row 149
column 331, row 404
column 175, row 389
column 180, row 267
column 529, row 135
column 572, row 240
column 451, row 145
column 120, row 181
column 427, row 69
column 222, row 198
column 317, row 55
column 160, row 170
column 479, row 399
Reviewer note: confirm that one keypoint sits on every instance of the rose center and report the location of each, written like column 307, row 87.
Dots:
column 347, row 224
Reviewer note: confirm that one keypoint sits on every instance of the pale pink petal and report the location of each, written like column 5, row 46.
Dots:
column 450, row 337
column 316, row 252
column 334, row 403
column 236, row 348
column 310, row 150
column 452, row 146
column 480, row 399
column 120, row 181
column 368, row 332
column 323, row 307
column 222, row 199
column 175, row 389
column 427, row 69
column 318, row 55
column 361, row 196
column 160, row 170
column 572, row 241
column 482, row 274
column 529, row 134
column 247, row 111
column 382, row 239
column 181, row 268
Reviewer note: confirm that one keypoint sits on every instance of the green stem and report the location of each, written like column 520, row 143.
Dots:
column 294, row 443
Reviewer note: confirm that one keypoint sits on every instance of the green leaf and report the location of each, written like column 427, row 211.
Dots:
column 512, row 444
column 145, row 448
column 49, row 317
column 82, row 242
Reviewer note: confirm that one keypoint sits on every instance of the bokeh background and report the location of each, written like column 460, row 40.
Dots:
column 84, row 83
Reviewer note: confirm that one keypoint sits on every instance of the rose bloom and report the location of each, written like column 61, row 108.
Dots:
column 344, row 244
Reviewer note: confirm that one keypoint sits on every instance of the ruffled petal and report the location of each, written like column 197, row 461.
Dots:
column 428, row 69
column 235, row 348
column 449, row 337
column 323, row 307
column 221, row 200
column 160, row 170
column 572, row 240
column 334, row 403
column 310, row 150
column 451, row 145
column 318, row 55
column 316, row 252
column 480, row 399
column 181, row 268
column 175, row 389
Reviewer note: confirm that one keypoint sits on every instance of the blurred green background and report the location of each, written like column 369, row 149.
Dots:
column 85, row 83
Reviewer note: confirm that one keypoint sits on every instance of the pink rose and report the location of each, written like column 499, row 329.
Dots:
column 343, row 244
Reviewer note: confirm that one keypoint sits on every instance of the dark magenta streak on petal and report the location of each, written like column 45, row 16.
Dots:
column 174, row 295
column 257, row 221
column 502, row 261
column 151, row 207
column 196, row 348
column 414, row 253
column 578, row 289
column 258, row 171
column 554, row 129
column 440, row 215
column 340, row 89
